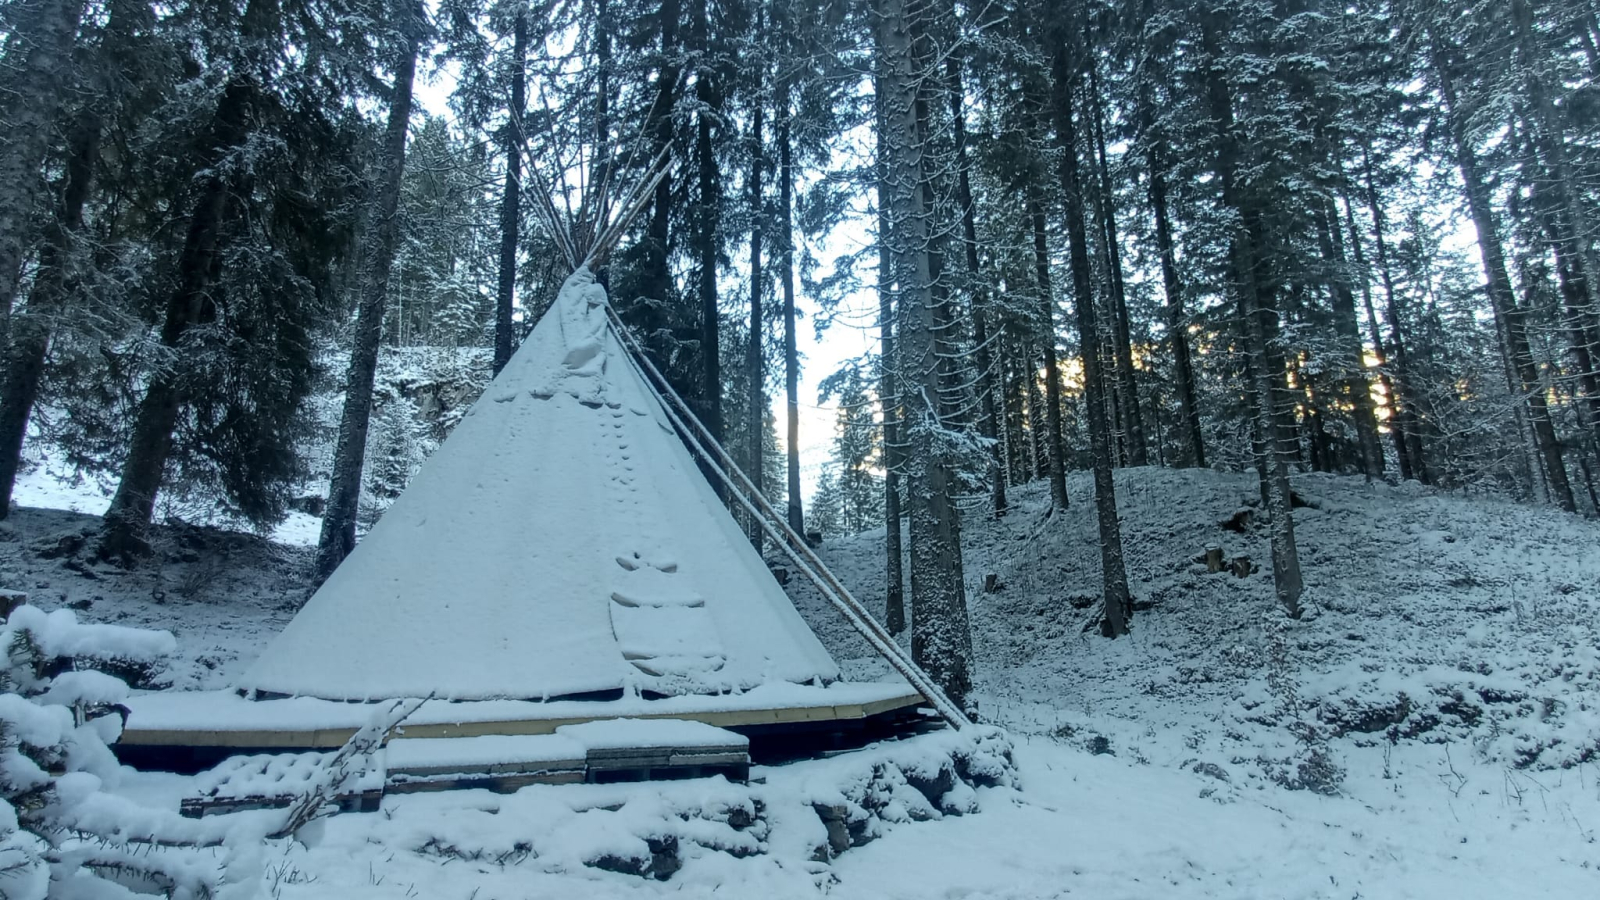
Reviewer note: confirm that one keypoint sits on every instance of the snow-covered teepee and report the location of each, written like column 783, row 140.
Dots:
column 561, row 542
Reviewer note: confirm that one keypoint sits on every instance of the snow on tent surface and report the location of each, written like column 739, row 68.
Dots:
column 560, row 542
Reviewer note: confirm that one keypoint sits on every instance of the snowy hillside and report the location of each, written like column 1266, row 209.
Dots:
column 1431, row 618
column 1431, row 728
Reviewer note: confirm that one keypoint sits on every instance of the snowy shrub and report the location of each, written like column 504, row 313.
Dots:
column 47, row 645
column 396, row 447
column 61, row 836
column 1311, row 767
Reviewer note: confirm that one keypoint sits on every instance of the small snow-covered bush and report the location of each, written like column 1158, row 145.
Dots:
column 61, row 835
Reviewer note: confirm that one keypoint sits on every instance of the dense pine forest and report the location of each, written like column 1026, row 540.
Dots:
column 1263, row 236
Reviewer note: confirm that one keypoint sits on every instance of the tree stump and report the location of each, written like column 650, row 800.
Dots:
column 1213, row 560
column 9, row 601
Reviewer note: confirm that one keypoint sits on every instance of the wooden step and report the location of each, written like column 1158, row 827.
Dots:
column 603, row 751
column 274, row 781
column 500, row 763
column 639, row 749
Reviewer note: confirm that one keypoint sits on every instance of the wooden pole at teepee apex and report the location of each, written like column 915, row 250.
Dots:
column 795, row 547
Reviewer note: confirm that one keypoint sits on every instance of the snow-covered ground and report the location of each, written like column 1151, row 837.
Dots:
column 41, row 486
column 1431, row 728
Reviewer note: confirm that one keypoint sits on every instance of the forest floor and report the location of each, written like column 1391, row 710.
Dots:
column 1430, row 728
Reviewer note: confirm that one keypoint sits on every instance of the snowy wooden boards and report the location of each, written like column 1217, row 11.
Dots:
column 600, row 751
column 223, row 719
column 274, row 782
column 497, row 762
column 628, row 749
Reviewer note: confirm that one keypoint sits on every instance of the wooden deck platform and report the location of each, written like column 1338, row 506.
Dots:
column 597, row 752
column 192, row 731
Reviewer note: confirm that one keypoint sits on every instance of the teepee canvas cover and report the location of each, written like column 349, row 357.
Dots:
column 560, row 542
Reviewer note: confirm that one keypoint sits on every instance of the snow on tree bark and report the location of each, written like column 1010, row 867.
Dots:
column 38, row 52
column 344, row 490
column 1509, row 313
column 941, row 640
column 1121, row 331
column 1354, row 385
column 1177, row 323
column 989, row 420
column 1054, row 444
column 1260, row 314
column 755, row 362
column 128, row 519
column 30, row 335
column 513, row 141
column 791, row 349
column 707, row 228
column 889, row 396
column 1117, row 603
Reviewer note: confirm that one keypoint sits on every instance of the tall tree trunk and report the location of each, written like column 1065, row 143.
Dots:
column 1038, row 456
column 1054, row 444
column 513, row 140
column 1512, row 318
column 1172, row 282
column 992, row 427
column 1582, row 338
column 657, row 276
column 1405, row 400
column 1551, row 142
column 1380, row 350
column 1566, row 217
column 1014, row 393
column 1260, row 313
column 951, row 399
column 1118, row 604
column 1261, row 324
column 889, row 389
column 1121, row 329
column 941, row 640
column 791, row 351
column 1353, row 385
column 30, row 333
column 37, row 63
column 755, row 360
column 893, row 450
column 1320, row 445
column 344, row 489
column 707, row 216
column 989, row 421
column 603, row 29
column 127, row 521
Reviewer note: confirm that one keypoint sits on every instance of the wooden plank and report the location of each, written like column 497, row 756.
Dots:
column 711, row 759
column 504, row 784
column 200, row 807
column 892, row 703
column 511, row 768
column 332, row 738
